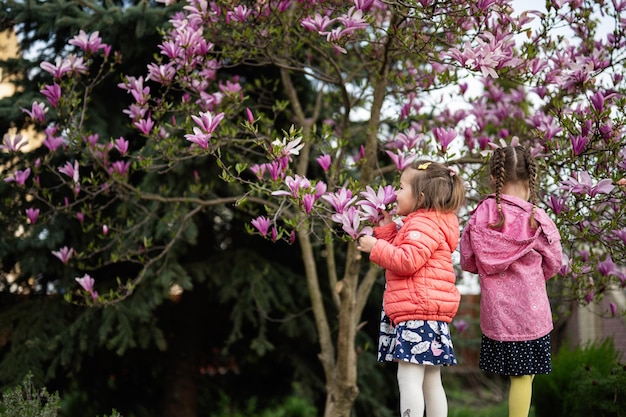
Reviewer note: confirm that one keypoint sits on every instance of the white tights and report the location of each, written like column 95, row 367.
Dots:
column 419, row 385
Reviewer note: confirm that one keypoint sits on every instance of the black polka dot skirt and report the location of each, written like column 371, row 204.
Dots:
column 530, row 357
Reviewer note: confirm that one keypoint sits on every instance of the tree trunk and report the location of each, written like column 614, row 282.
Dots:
column 180, row 398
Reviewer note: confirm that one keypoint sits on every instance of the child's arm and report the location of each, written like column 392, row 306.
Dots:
column 552, row 253
column 468, row 259
column 404, row 258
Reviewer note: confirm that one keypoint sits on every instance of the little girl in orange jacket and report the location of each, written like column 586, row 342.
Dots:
column 420, row 298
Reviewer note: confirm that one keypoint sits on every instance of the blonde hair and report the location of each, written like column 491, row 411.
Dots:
column 509, row 165
column 436, row 186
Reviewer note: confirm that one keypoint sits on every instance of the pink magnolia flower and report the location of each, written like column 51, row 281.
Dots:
column 239, row 14
column 408, row 141
column 105, row 229
column 557, row 204
column 317, row 24
column 60, row 67
column 230, row 87
column 52, row 93
column 13, row 143
column 581, row 183
column 376, row 201
column 121, row 145
column 37, row 112
column 460, row 324
column 307, row 202
column 87, row 283
column 88, row 43
column 606, row 267
column 621, row 234
column 92, row 140
column 163, row 73
column 285, row 148
column 19, row 177
column 294, row 184
column 207, row 124
column 144, row 125
column 250, row 116
column 64, row 254
column 262, row 224
column 53, row 142
column 120, row 167
column 350, row 221
column 276, row 169
column 324, row 161
column 401, row 159
column 32, row 214
column 444, row 137
column 340, row 200
column 579, row 143
column 597, row 100
column 70, row 170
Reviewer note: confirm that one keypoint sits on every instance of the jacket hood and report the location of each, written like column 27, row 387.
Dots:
column 497, row 249
column 447, row 223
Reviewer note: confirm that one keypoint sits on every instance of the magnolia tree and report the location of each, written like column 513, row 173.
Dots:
column 390, row 82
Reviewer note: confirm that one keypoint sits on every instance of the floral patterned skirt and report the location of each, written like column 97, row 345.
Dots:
column 425, row 342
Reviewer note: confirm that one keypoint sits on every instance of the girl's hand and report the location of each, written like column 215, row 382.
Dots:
column 366, row 243
column 386, row 219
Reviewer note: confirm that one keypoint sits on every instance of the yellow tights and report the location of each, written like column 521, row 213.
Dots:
column 520, row 394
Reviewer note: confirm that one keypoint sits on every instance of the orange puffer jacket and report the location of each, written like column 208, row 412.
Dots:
column 418, row 262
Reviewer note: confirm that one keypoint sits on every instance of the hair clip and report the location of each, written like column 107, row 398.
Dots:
column 424, row 165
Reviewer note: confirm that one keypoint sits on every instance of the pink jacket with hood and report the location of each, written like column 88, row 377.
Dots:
column 513, row 264
column 420, row 278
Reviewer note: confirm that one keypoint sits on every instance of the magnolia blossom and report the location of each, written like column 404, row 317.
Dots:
column 32, row 214
column 262, row 224
column 37, row 112
column 13, row 143
column 64, row 254
column 579, row 143
column 121, row 145
column 401, row 159
column 295, row 184
column 208, row 123
column 581, row 183
column 71, row 171
column 317, row 23
column 444, row 137
column 19, row 177
column 340, row 200
column 557, row 204
column 145, row 125
column 285, row 147
column 52, row 93
column 120, row 167
column 87, row 283
column 376, row 201
column 350, row 220
column 324, row 161
column 607, row 266
column 88, row 43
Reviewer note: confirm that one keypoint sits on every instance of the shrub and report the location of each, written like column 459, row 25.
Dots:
column 26, row 400
column 587, row 381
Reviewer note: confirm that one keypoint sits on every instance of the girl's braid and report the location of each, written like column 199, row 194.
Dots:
column 532, row 179
column 498, row 171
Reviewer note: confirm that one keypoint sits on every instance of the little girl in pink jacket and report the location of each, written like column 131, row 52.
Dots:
column 514, row 247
